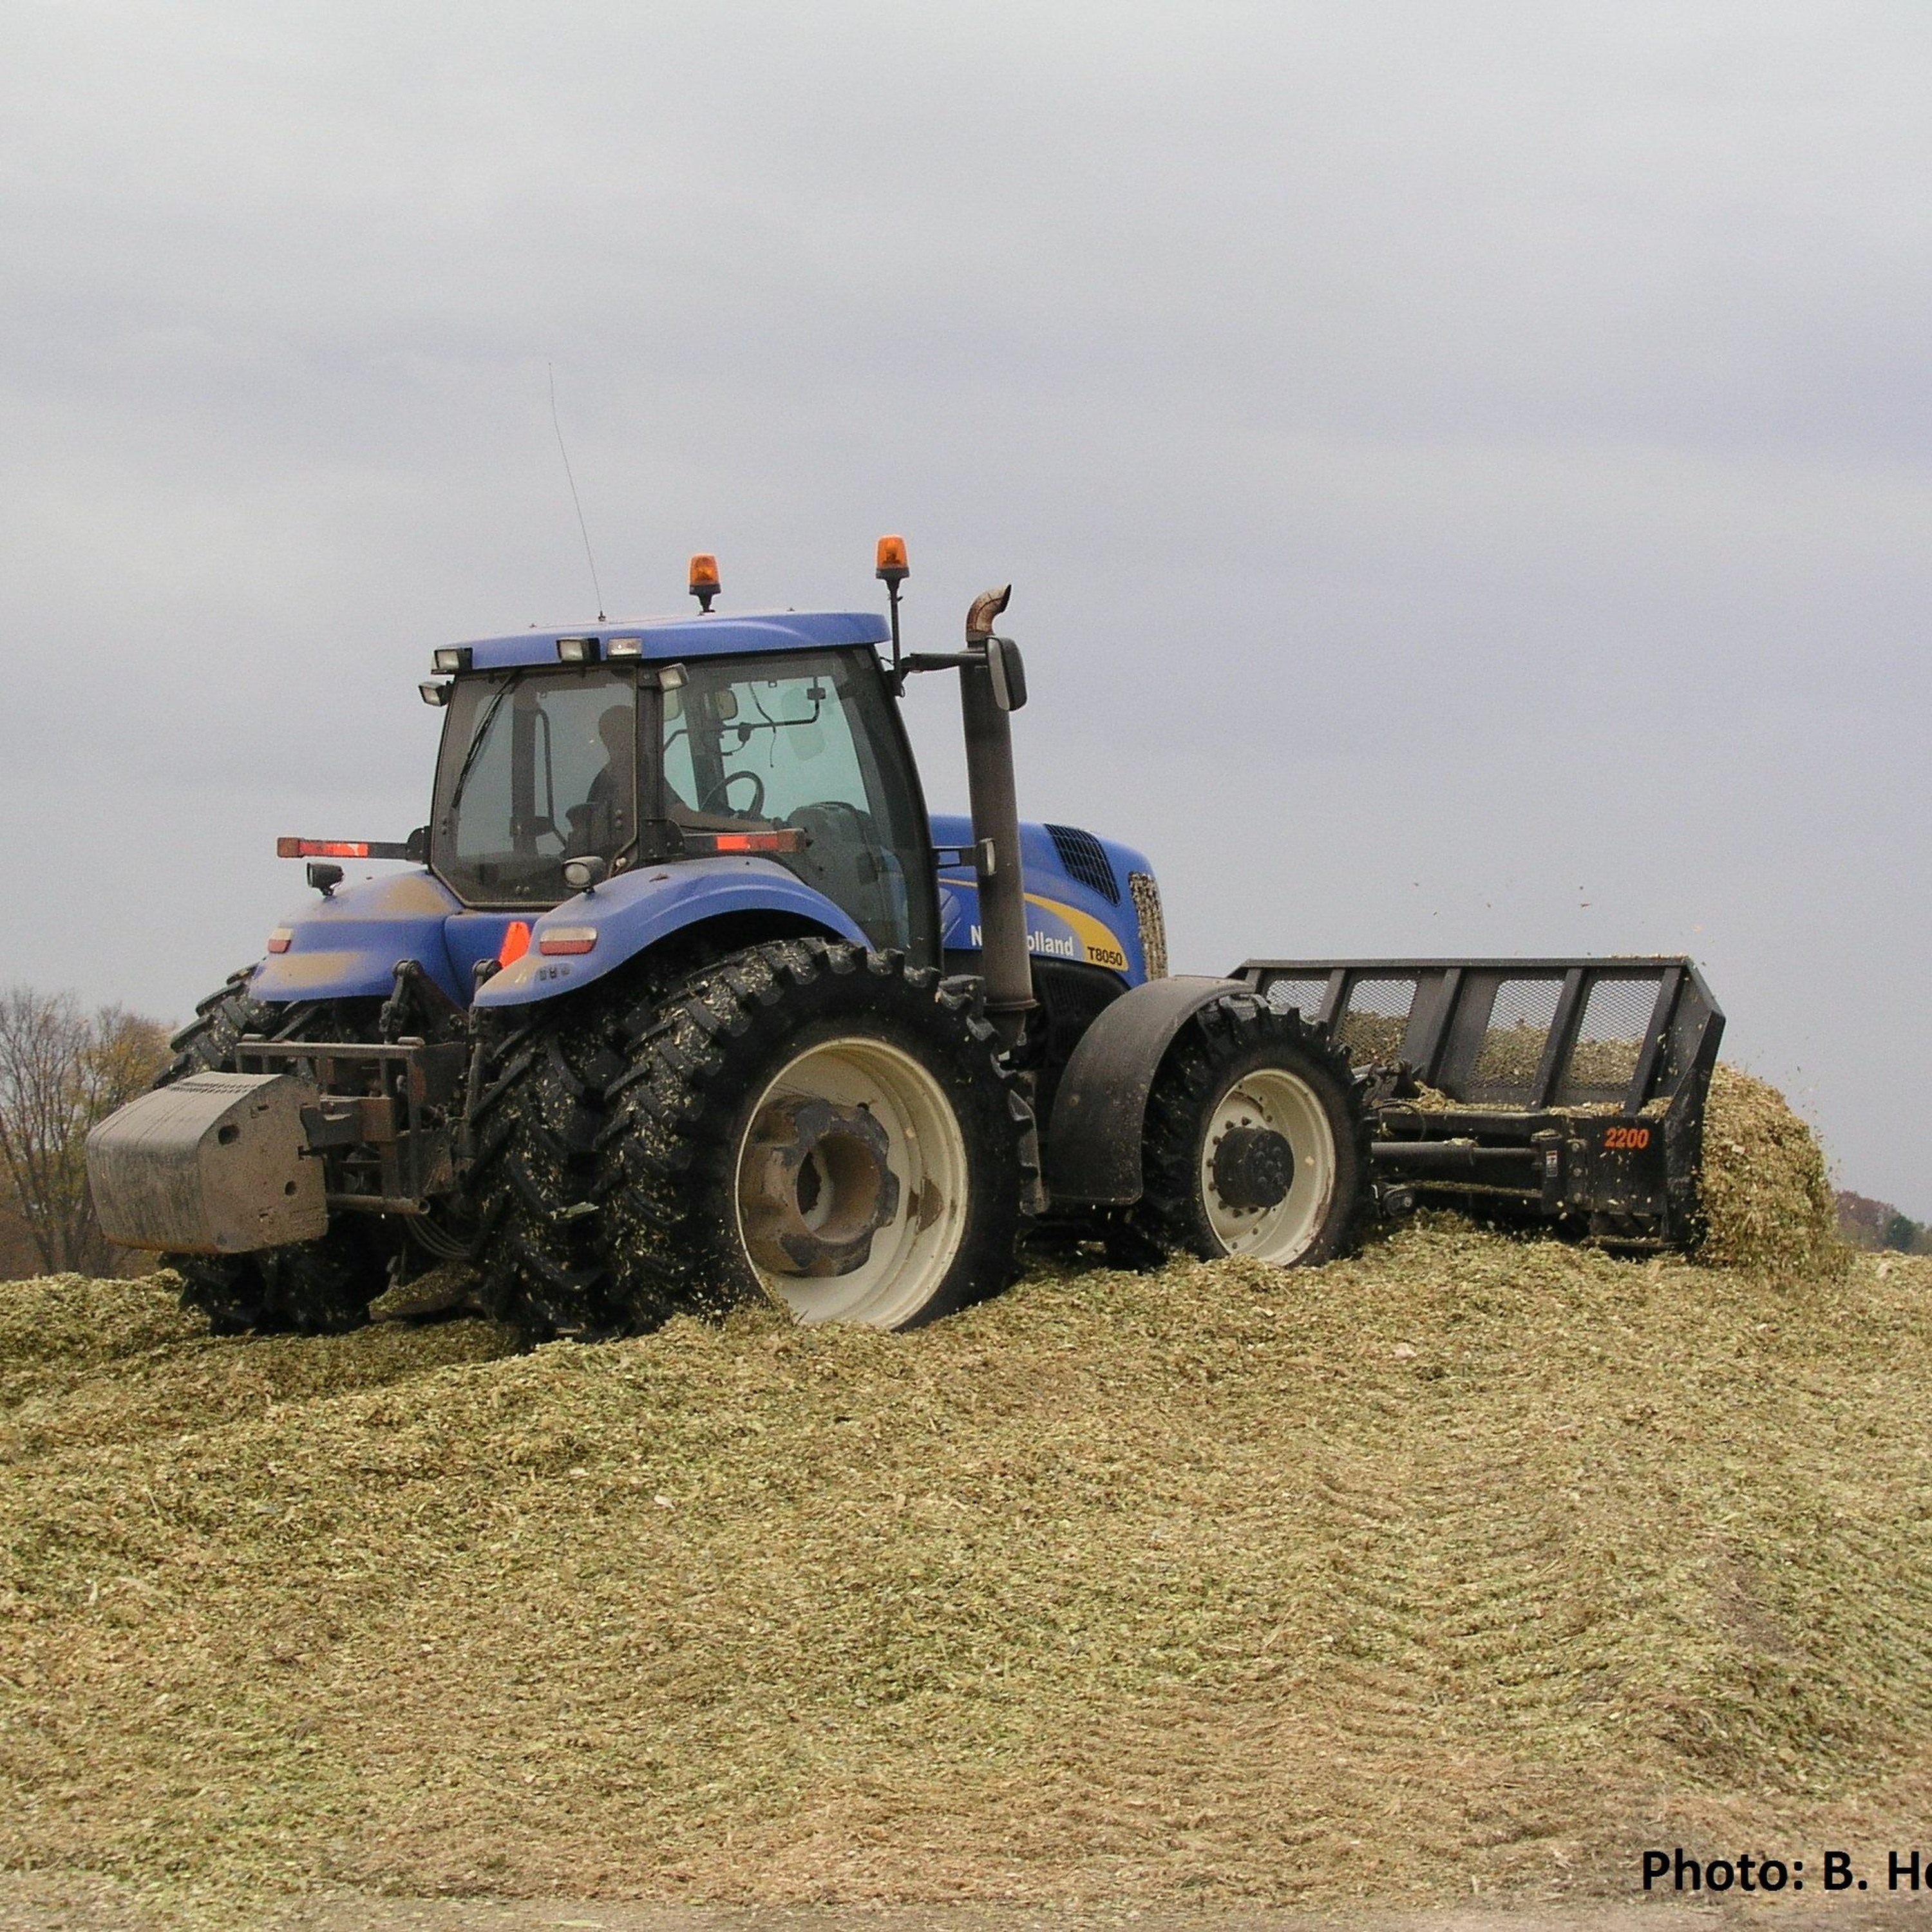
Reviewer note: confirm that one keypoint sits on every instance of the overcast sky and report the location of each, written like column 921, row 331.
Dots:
column 1464, row 469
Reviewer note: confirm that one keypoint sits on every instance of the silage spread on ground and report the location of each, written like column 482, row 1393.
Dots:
column 1466, row 1559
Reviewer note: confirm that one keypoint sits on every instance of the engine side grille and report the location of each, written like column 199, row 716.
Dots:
column 1086, row 859
column 1153, row 927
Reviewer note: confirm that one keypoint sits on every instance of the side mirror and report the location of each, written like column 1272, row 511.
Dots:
column 1007, row 669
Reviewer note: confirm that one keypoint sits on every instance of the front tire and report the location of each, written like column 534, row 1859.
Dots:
column 1256, row 1144
column 830, row 1128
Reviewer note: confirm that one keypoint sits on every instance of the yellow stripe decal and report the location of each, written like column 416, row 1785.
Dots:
column 1099, row 946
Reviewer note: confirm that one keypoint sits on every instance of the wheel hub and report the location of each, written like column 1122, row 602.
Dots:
column 814, row 1187
column 1254, row 1168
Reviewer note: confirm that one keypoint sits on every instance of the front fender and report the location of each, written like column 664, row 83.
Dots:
column 1099, row 1114
column 638, row 910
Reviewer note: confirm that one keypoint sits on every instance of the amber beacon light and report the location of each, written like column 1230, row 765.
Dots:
column 892, row 571
column 704, row 585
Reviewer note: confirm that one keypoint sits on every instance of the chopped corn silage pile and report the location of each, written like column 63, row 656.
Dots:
column 1767, row 1196
column 1467, row 1563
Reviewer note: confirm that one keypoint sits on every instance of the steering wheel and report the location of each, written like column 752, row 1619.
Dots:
column 719, row 793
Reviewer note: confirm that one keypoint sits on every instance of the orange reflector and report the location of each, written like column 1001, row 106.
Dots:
column 568, row 939
column 786, row 839
column 893, row 567
column 516, row 943
column 704, row 572
column 281, row 939
column 322, row 848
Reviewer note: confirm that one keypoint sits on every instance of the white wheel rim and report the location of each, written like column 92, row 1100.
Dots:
column 1273, row 1098
column 911, row 1253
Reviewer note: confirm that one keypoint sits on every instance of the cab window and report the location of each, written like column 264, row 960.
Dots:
column 537, row 767
column 808, row 741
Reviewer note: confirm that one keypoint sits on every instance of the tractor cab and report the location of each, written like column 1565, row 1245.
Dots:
column 794, row 754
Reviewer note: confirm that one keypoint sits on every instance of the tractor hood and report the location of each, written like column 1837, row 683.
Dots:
column 1081, row 902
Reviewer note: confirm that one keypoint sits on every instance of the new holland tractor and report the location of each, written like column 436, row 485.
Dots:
column 683, row 998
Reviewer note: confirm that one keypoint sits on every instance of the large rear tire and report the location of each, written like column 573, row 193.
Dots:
column 537, row 1185
column 537, row 1122
column 829, row 1128
column 311, row 1288
column 1256, row 1142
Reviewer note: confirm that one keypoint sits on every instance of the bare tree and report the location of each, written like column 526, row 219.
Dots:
column 61, row 1069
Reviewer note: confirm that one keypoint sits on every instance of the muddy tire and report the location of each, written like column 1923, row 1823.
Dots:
column 310, row 1287
column 1256, row 1141
column 535, row 1182
column 827, row 1127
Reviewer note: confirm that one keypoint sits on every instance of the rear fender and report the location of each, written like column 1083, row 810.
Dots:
column 640, row 910
column 1100, row 1114
column 346, row 946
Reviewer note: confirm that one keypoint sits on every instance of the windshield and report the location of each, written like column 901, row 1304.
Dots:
column 538, row 766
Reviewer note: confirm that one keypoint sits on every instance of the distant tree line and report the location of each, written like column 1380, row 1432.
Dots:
column 1876, row 1225
column 62, row 1068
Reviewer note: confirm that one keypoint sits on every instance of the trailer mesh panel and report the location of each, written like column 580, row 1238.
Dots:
column 1375, row 1020
column 1302, row 996
column 1610, row 1038
column 1514, row 1043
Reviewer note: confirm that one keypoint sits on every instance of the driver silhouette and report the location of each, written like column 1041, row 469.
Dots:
column 594, row 823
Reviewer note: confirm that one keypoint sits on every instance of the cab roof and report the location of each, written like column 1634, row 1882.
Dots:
column 665, row 639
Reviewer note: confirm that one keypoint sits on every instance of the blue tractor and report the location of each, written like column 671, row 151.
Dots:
column 683, row 998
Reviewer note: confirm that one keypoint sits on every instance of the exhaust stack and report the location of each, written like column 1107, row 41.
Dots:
column 991, row 685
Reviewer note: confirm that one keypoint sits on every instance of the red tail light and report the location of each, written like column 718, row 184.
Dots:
column 322, row 848
column 784, row 838
column 567, row 939
column 341, row 848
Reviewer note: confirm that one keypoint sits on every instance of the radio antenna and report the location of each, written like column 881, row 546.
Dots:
column 577, row 503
